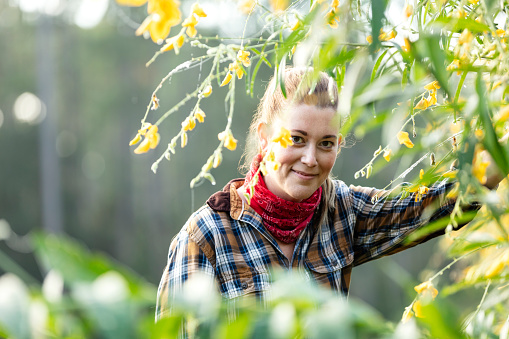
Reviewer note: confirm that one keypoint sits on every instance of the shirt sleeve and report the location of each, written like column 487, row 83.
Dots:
column 185, row 258
column 383, row 222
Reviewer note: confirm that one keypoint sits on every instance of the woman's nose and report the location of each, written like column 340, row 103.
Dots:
column 309, row 156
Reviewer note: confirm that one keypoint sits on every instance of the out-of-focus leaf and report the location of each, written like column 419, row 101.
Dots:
column 490, row 141
column 440, row 224
column 377, row 17
column 14, row 306
column 459, row 24
column 239, row 328
column 441, row 320
column 77, row 264
column 281, row 75
column 429, row 51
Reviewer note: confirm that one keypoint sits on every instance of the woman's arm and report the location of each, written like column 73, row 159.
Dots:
column 185, row 258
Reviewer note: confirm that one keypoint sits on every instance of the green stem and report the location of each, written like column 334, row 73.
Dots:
column 458, row 92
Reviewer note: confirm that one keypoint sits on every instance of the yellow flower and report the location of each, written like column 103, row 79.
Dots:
column 391, row 35
column 296, row 26
column 234, row 67
column 422, row 104
column 273, row 165
column 199, row 115
column 459, row 13
column 173, row 42
column 189, row 124
column 334, row 4
column 500, row 32
column 218, row 157
column 246, row 6
column 479, row 168
column 369, row 39
column 332, row 19
column 432, row 99
column 417, row 308
column 422, row 190
column 409, row 10
column 207, row 91
column 406, row 47
column 229, row 141
column 494, row 269
column 387, row 154
column 407, row 315
column 434, row 85
column 496, row 84
column 404, row 139
column 243, row 56
column 383, row 36
column 479, row 134
column 143, row 147
column 466, row 37
column 278, row 5
column 190, row 22
column 151, row 140
column 162, row 16
column 155, row 103
column 183, row 140
column 198, row 11
column 421, row 174
column 503, row 114
column 284, row 138
column 135, row 140
column 226, row 79
column 134, row 3
column 263, row 169
column 455, row 64
column 450, row 174
column 426, row 289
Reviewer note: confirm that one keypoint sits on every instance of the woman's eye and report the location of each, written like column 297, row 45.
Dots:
column 297, row 140
column 327, row 144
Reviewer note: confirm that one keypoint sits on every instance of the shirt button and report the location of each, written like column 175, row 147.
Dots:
column 334, row 262
column 244, row 285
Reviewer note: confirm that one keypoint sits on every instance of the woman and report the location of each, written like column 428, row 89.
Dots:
column 294, row 216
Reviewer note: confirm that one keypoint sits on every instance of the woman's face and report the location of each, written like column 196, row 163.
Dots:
column 307, row 163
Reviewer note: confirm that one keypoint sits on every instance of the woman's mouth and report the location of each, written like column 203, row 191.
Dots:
column 304, row 175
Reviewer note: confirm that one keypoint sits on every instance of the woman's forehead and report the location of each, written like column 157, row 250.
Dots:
column 304, row 116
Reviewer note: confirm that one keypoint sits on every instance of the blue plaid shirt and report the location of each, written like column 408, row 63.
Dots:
column 227, row 240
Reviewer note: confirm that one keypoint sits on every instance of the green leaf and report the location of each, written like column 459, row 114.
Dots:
column 377, row 65
column 459, row 24
column 441, row 319
column 490, row 141
column 281, row 75
column 377, row 16
column 78, row 265
column 439, row 224
column 428, row 48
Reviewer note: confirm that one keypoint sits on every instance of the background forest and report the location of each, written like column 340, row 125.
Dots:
column 73, row 88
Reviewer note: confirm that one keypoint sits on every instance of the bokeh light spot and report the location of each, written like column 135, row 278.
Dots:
column 29, row 108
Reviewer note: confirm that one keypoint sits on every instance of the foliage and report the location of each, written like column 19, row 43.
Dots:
column 87, row 295
column 435, row 81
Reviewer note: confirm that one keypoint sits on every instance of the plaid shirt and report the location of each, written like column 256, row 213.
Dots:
column 227, row 240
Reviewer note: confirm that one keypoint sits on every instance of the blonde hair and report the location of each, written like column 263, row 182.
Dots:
column 303, row 86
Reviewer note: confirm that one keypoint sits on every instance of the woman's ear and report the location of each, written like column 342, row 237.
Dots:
column 263, row 135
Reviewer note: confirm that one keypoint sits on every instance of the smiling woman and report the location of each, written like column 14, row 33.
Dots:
column 287, row 213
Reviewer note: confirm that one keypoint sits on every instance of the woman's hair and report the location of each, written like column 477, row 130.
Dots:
column 303, row 86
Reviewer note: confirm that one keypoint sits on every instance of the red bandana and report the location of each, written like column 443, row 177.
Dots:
column 284, row 219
